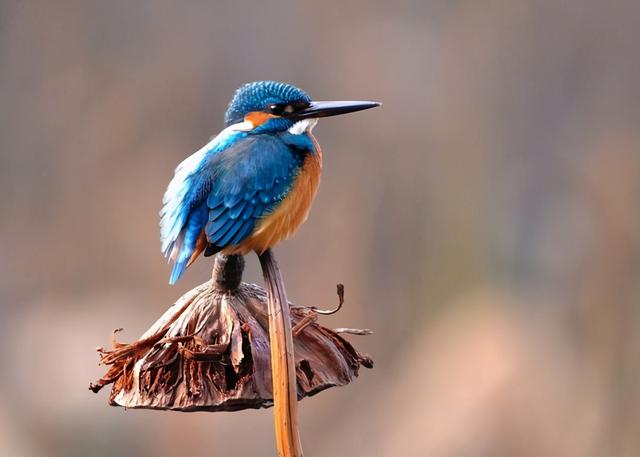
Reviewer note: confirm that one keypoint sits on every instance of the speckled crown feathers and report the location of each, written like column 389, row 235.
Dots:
column 257, row 95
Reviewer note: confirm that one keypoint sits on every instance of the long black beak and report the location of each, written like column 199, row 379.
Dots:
column 326, row 109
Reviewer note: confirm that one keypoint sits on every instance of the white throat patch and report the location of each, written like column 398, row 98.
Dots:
column 245, row 126
column 303, row 126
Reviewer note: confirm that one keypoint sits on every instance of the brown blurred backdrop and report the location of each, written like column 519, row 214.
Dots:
column 485, row 221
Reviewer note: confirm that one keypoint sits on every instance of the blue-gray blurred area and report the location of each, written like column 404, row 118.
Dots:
column 484, row 221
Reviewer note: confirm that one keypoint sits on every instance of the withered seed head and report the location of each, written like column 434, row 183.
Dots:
column 210, row 352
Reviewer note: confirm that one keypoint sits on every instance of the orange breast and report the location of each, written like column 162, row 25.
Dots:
column 285, row 220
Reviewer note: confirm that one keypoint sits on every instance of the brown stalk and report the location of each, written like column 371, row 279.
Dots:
column 282, row 360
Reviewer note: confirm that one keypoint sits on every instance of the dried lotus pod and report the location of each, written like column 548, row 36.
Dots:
column 210, row 351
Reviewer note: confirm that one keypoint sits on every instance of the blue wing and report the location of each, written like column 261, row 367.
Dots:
column 184, row 212
column 249, row 180
column 224, row 189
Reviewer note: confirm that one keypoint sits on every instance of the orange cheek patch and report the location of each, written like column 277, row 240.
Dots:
column 258, row 118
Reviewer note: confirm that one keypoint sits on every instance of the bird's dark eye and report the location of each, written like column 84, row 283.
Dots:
column 278, row 109
column 285, row 109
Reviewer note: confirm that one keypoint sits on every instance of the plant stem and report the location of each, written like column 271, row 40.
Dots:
column 283, row 370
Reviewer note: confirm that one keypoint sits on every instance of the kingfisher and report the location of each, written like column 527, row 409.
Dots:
column 253, row 184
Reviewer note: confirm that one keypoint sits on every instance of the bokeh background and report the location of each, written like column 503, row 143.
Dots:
column 485, row 221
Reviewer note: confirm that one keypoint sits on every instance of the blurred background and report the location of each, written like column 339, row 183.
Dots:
column 485, row 221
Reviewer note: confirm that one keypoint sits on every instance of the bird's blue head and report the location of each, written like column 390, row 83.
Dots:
column 263, row 103
column 272, row 106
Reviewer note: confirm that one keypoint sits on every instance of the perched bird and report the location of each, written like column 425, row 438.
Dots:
column 253, row 184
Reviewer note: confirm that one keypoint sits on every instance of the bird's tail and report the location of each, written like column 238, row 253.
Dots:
column 178, row 269
column 189, row 245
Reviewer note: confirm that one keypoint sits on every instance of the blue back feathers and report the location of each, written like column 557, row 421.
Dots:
column 239, row 177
